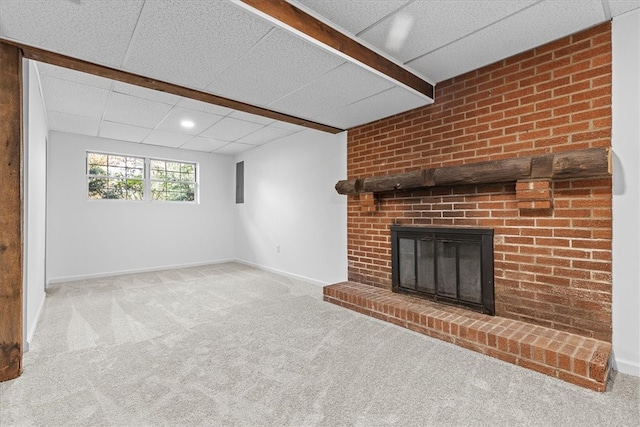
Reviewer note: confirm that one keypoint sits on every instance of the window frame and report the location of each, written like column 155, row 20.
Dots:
column 149, row 180
column 89, row 175
column 146, row 179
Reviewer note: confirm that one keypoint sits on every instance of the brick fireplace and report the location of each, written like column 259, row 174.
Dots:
column 552, row 237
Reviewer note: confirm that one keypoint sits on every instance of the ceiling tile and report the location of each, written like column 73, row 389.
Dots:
column 200, row 119
column 289, row 126
column 381, row 105
column 144, row 93
column 73, row 124
column 266, row 134
column 203, row 106
column 618, row 7
column 73, row 98
column 191, row 42
column 251, row 118
column 539, row 24
column 234, row 148
column 341, row 86
column 230, row 129
column 448, row 21
column 203, row 144
column 97, row 31
column 122, row 132
column 135, row 111
column 166, row 139
column 73, row 76
column 353, row 15
column 278, row 65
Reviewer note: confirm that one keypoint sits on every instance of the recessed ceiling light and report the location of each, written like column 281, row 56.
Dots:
column 187, row 124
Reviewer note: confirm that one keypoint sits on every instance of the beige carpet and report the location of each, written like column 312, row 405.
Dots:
column 231, row 345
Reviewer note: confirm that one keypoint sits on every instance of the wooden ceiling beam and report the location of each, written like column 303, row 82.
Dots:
column 289, row 15
column 11, row 208
column 53, row 58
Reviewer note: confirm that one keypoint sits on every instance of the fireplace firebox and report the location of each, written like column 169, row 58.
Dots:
column 450, row 265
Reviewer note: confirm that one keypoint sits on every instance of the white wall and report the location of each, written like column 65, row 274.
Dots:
column 626, row 192
column 35, row 181
column 290, row 202
column 92, row 238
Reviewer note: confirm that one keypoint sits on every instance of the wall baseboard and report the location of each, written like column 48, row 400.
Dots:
column 55, row 280
column 32, row 330
column 628, row 367
column 282, row 273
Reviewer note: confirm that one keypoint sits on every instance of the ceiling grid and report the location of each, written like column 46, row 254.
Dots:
column 223, row 49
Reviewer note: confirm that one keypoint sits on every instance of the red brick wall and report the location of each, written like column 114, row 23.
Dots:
column 552, row 267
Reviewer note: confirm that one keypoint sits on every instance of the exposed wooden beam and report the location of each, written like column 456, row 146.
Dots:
column 590, row 162
column 293, row 17
column 11, row 339
column 60, row 60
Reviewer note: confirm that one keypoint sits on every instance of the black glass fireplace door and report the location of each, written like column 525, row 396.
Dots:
column 450, row 265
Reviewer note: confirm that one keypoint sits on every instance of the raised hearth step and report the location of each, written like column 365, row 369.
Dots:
column 573, row 358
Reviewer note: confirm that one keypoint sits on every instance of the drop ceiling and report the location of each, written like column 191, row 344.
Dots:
column 225, row 48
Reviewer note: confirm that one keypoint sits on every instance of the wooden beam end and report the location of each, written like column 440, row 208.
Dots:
column 10, row 361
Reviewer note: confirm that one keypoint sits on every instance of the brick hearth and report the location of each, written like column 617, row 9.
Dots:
column 573, row 358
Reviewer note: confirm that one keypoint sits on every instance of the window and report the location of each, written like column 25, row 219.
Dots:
column 173, row 180
column 114, row 176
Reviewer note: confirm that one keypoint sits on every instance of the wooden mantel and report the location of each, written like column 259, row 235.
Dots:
column 587, row 163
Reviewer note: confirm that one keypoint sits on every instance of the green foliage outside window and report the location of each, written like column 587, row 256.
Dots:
column 115, row 177
column 123, row 177
column 174, row 181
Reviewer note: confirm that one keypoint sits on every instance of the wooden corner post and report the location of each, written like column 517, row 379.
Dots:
column 11, row 340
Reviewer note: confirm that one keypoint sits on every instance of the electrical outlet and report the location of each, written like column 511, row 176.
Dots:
column 277, row 249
